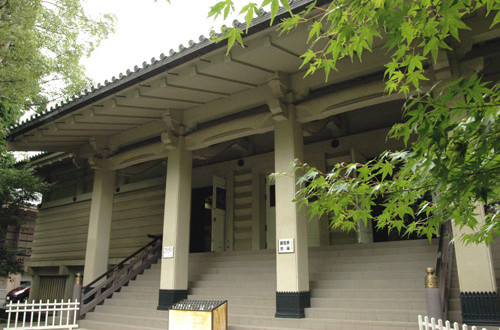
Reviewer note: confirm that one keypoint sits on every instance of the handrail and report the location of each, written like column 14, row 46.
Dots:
column 444, row 265
column 118, row 276
column 124, row 261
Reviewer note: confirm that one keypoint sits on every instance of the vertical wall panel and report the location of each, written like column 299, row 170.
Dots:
column 52, row 287
column 243, row 210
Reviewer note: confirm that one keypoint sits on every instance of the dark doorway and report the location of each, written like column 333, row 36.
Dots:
column 200, row 237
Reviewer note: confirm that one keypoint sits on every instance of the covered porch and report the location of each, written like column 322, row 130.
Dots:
column 183, row 147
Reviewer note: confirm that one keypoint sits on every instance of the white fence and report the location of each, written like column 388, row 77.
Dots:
column 425, row 324
column 43, row 315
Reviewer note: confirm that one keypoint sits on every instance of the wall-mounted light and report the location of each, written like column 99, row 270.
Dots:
column 208, row 202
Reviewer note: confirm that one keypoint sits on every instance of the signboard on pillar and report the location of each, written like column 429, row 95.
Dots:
column 286, row 245
column 168, row 252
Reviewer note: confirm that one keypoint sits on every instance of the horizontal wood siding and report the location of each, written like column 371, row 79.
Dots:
column 61, row 232
column 136, row 213
column 62, row 226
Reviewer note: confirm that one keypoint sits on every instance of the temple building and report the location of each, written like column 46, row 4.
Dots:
column 183, row 147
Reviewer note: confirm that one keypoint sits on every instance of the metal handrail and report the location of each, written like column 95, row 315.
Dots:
column 444, row 265
column 118, row 276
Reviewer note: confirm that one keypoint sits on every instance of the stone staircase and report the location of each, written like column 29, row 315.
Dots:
column 370, row 286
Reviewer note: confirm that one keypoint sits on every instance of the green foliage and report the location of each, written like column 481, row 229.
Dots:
column 18, row 185
column 41, row 44
column 453, row 126
column 454, row 157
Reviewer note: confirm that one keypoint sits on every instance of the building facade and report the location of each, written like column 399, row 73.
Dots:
column 183, row 147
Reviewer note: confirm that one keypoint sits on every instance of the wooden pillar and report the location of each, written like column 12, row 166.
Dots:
column 176, row 221
column 476, row 275
column 101, row 207
column 293, row 293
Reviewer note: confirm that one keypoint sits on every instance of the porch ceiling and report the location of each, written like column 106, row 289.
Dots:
column 204, row 89
column 216, row 98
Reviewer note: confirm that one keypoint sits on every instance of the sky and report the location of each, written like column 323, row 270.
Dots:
column 145, row 29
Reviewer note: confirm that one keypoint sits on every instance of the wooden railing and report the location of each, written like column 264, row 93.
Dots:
column 444, row 265
column 105, row 285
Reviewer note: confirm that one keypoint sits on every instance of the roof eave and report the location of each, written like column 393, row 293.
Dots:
column 204, row 47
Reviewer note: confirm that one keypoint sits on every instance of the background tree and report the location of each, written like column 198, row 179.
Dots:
column 453, row 125
column 41, row 44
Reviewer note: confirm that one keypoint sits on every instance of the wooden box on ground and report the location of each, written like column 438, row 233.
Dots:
column 198, row 315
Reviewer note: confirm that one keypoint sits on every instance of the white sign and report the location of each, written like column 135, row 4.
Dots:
column 286, row 245
column 168, row 252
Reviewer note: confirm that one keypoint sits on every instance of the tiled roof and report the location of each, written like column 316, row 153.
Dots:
column 146, row 70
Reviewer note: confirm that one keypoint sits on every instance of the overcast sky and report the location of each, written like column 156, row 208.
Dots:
column 145, row 29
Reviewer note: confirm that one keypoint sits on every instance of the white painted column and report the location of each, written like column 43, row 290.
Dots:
column 101, row 208
column 292, row 288
column 176, row 221
column 476, row 276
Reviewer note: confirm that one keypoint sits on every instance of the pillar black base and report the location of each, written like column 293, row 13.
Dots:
column 167, row 298
column 480, row 308
column 292, row 304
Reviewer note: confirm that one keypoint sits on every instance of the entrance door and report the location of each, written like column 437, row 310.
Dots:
column 201, row 224
column 218, row 213
column 270, row 214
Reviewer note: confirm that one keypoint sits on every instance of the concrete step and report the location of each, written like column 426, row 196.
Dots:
column 369, row 303
column 341, row 293
column 231, row 292
column 258, row 284
column 389, row 315
column 98, row 325
column 400, row 283
column 269, row 302
column 372, row 286
column 319, row 324
column 137, row 310
column 148, row 322
column 139, row 296
column 150, row 303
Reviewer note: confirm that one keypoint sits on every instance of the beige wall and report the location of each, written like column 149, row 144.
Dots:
column 62, row 226
column 137, row 212
column 61, row 231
